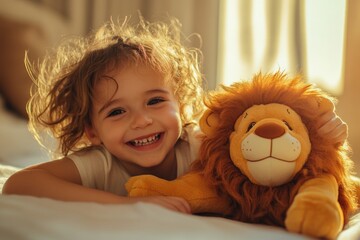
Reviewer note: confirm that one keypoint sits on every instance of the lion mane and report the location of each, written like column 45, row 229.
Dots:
column 261, row 204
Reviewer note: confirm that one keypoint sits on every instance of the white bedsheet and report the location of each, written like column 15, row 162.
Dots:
column 24, row 217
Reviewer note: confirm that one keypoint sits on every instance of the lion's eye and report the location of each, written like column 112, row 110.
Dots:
column 287, row 124
column 251, row 125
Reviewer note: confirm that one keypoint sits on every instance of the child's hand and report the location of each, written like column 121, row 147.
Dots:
column 333, row 128
column 173, row 203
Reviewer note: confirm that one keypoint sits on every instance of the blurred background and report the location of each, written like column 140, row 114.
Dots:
column 239, row 38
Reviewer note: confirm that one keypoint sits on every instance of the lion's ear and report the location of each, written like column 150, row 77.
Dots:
column 209, row 122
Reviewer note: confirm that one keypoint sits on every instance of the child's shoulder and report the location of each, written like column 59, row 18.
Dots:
column 91, row 151
column 192, row 135
column 190, row 130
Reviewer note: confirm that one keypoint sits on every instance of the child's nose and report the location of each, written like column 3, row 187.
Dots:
column 141, row 120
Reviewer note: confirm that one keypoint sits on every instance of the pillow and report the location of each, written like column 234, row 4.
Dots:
column 16, row 38
column 18, row 146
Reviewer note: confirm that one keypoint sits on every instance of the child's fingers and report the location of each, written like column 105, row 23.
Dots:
column 179, row 204
column 184, row 205
column 336, row 130
column 173, row 203
column 329, row 126
column 341, row 138
column 325, row 118
column 329, row 122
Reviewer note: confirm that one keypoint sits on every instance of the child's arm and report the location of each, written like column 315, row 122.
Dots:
column 333, row 127
column 61, row 180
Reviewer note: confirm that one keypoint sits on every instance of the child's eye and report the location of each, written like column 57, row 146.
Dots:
column 156, row 100
column 116, row 112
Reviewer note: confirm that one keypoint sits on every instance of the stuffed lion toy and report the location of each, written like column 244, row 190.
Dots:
column 262, row 161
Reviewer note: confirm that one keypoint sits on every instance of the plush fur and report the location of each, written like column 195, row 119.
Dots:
column 320, row 189
column 216, row 165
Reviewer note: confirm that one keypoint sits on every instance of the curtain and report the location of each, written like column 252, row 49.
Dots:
column 295, row 36
column 253, row 37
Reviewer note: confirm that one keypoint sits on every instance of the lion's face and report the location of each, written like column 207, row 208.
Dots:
column 270, row 144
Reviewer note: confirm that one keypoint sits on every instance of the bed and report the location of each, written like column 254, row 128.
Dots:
column 24, row 217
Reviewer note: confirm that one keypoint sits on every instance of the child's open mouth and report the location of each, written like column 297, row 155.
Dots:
column 145, row 141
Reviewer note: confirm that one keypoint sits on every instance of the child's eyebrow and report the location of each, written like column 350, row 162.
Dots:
column 149, row 92
column 107, row 104
column 157, row 90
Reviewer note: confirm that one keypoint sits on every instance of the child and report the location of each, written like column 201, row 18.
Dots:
column 121, row 103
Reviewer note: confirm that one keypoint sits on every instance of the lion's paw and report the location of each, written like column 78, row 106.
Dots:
column 141, row 186
column 316, row 217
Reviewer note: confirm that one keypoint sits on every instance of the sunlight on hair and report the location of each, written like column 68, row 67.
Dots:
column 325, row 50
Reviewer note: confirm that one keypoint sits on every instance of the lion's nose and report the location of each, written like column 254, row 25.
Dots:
column 270, row 131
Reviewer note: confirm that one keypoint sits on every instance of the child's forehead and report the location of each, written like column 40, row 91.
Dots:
column 122, row 76
column 128, row 82
column 143, row 71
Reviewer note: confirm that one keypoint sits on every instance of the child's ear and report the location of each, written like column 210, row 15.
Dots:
column 92, row 135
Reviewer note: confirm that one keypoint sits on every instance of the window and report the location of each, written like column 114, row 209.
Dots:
column 294, row 36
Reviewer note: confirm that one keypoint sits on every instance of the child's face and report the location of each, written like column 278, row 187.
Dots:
column 140, row 122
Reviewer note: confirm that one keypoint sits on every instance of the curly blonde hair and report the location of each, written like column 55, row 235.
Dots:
column 62, row 93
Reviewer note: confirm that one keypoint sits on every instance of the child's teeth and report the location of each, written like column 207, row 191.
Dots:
column 146, row 141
